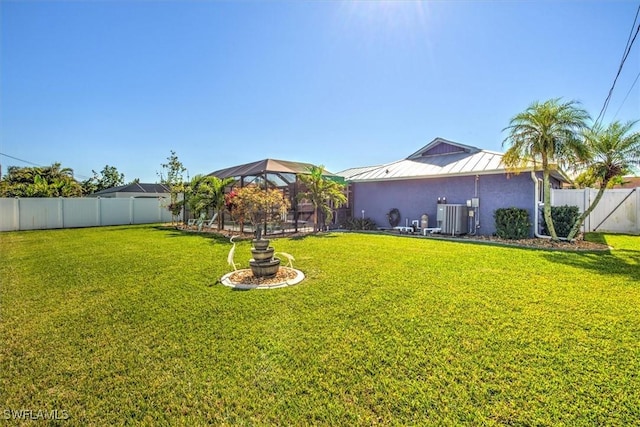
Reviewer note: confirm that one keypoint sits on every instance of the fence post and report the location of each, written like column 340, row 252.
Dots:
column 98, row 214
column 637, row 210
column 586, row 202
column 131, row 202
column 16, row 213
column 60, row 212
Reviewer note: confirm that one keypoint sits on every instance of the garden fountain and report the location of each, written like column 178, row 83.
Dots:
column 265, row 271
column 263, row 263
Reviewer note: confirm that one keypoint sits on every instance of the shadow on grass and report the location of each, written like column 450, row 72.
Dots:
column 596, row 238
column 224, row 236
column 319, row 235
column 621, row 262
column 174, row 232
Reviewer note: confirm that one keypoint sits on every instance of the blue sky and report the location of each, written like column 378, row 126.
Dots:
column 337, row 83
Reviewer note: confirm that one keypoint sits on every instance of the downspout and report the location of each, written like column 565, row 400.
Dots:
column 477, row 209
column 474, row 220
column 536, row 207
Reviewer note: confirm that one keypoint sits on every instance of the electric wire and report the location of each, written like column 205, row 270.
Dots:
column 627, row 95
column 630, row 40
column 20, row 160
column 38, row 165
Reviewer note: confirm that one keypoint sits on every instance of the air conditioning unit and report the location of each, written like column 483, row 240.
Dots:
column 452, row 219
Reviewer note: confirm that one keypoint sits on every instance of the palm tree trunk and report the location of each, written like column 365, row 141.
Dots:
column 547, row 204
column 576, row 226
column 315, row 218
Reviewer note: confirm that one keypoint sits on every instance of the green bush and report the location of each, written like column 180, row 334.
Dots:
column 563, row 218
column 512, row 223
column 360, row 224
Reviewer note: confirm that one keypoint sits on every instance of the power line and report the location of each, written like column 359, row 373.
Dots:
column 627, row 95
column 20, row 160
column 627, row 49
column 40, row 166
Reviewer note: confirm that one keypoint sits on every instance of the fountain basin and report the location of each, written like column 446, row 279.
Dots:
column 261, row 244
column 262, row 254
column 266, row 269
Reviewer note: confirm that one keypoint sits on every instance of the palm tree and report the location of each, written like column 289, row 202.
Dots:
column 56, row 171
column 547, row 134
column 218, row 185
column 41, row 181
column 207, row 192
column 197, row 196
column 322, row 193
column 613, row 151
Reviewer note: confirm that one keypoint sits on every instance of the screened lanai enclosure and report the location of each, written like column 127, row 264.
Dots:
column 281, row 175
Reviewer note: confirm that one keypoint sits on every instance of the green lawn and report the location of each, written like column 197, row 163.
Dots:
column 126, row 325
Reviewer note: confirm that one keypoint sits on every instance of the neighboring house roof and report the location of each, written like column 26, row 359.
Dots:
column 135, row 187
column 629, row 182
column 439, row 158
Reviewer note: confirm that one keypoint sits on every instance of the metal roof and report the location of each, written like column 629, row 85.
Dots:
column 348, row 173
column 437, row 159
column 135, row 187
column 481, row 162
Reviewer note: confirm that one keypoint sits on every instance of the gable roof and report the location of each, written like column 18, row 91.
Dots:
column 439, row 158
column 135, row 187
column 440, row 146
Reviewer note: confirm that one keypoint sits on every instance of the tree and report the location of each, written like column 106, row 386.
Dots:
column 207, row 192
column 547, row 134
column 322, row 192
column 45, row 181
column 257, row 205
column 613, row 151
column 108, row 177
column 174, row 171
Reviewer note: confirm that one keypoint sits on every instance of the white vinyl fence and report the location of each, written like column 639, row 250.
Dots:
column 617, row 212
column 43, row 213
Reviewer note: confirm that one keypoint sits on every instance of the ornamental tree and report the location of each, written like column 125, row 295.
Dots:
column 257, row 205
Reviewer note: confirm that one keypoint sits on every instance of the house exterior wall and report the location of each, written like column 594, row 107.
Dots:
column 414, row 197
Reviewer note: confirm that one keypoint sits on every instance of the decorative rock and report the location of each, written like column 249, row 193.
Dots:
column 244, row 280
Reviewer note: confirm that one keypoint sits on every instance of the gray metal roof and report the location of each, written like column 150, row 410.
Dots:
column 439, row 158
column 135, row 187
column 482, row 162
column 351, row 172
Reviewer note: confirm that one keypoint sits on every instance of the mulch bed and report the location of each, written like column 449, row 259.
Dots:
column 246, row 277
column 538, row 243
column 579, row 244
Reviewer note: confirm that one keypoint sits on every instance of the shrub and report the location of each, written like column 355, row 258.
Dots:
column 360, row 224
column 563, row 218
column 512, row 223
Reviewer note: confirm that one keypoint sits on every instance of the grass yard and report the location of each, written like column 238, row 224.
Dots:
column 126, row 325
